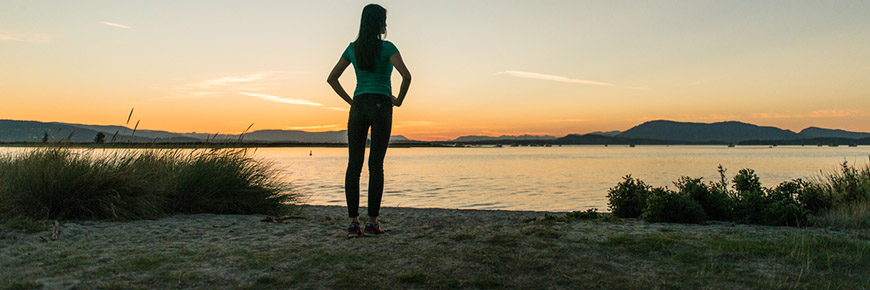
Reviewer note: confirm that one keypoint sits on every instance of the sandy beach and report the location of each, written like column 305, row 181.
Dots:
column 428, row 248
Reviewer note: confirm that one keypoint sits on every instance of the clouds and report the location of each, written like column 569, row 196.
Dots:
column 307, row 128
column 115, row 25
column 554, row 78
column 283, row 100
column 562, row 79
column 813, row 114
column 278, row 99
column 26, row 37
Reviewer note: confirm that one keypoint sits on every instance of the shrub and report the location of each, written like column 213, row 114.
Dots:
column 784, row 213
column 628, row 198
column 667, row 206
column 716, row 203
column 589, row 214
column 811, row 197
column 747, row 181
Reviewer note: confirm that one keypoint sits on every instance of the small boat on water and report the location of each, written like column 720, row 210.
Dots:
column 853, row 145
column 498, row 145
column 833, row 145
column 631, row 145
column 730, row 144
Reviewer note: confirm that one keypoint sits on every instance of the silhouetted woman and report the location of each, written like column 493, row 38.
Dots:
column 371, row 106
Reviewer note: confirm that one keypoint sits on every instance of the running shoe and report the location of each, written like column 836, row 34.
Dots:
column 353, row 231
column 374, row 229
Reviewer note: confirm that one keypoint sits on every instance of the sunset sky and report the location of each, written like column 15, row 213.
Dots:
column 479, row 67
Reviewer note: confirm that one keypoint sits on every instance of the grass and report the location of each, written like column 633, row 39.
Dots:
column 56, row 183
column 492, row 252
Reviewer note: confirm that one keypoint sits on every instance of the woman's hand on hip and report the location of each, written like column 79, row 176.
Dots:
column 395, row 101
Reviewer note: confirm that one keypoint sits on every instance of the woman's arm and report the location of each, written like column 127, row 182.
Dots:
column 397, row 62
column 333, row 80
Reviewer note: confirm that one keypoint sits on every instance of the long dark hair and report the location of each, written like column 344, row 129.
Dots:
column 368, row 43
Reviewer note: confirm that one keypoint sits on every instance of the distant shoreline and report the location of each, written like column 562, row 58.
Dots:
column 817, row 142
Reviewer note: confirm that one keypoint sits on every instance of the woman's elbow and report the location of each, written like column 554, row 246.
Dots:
column 406, row 78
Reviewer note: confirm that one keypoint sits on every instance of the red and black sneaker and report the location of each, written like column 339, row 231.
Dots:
column 374, row 229
column 353, row 231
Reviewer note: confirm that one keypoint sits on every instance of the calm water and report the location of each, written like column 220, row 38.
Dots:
column 543, row 178
column 540, row 178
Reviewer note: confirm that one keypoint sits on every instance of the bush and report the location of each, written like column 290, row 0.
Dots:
column 59, row 183
column 628, row 198
column 667, row 206
column 747, row 181
column 777, row 207
column 589, row 214
column 716, row 203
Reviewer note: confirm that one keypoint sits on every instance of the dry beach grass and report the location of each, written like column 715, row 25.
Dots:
column 430, row 248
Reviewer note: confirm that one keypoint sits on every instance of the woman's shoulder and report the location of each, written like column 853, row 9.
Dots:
column 389, row 46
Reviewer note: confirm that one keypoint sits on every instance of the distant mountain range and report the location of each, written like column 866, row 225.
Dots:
column 652, row 132
column 672, row 132
column 33, row 131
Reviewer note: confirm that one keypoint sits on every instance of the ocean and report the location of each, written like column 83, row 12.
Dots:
column 555, row 178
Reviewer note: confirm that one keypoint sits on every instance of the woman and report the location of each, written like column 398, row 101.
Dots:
column 371, row 106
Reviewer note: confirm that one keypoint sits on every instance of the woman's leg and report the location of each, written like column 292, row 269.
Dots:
column 357, row 131
column 381, row 128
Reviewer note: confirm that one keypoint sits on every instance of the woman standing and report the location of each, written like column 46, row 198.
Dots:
column 371, row 106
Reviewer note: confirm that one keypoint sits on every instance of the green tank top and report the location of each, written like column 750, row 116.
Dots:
column 377, row 81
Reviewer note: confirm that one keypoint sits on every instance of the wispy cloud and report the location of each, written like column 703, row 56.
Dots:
column 403, row 124
column 312, row 127
column 639, row 88
column 813, row 114
column 555, row 78
column 115, row 25
column 278, row 99
column 33, row 37
column 229, row 80
column 566, row 120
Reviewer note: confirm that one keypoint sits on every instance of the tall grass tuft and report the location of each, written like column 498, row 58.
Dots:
column 848, row 197
column 60, row 183
column 225, row 181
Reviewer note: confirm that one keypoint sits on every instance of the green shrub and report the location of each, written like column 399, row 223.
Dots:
column 667, row 206
column 784, row 213
column 589, row 214
column 778, row 206
column 716, row 203
column 628, row 198
column 747, row 181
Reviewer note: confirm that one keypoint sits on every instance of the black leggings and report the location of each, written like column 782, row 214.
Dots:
column 375, row 111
